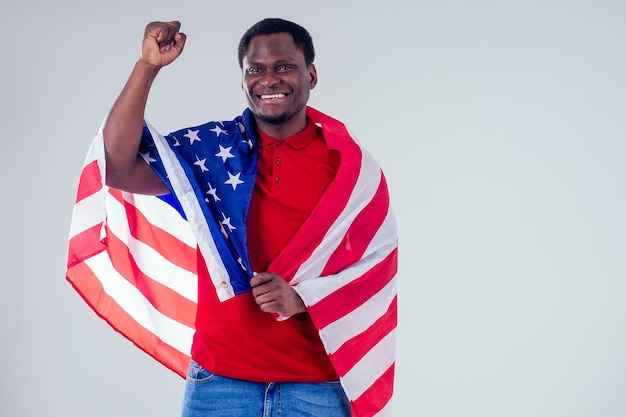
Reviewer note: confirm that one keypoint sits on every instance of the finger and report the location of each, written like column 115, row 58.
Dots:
column 174, row 24
column 261, row 278
column 164, row 32
column 272, row 306
column 179, row 41
column 165, row 37
column 263, row 299
column 269, row 307
column 260, row 290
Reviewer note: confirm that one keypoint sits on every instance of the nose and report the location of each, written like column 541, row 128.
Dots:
column 270, row 80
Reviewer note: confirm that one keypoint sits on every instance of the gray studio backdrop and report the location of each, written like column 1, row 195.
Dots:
column 500, row 126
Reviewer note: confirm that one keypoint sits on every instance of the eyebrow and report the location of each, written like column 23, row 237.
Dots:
column 278, row 62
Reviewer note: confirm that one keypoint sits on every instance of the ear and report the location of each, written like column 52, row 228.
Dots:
column 312, row 76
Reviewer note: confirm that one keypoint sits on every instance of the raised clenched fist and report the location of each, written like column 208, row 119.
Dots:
column 162, row 43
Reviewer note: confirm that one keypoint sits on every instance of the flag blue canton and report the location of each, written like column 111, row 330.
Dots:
column 219, row 161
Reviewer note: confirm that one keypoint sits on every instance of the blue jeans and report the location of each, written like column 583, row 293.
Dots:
column 208, row 395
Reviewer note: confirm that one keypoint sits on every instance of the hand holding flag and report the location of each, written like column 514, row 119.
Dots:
column 274, row 295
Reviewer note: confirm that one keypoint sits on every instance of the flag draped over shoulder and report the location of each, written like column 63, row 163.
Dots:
column 132, row 257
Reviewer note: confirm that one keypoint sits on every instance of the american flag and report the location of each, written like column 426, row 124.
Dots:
column 132, row 257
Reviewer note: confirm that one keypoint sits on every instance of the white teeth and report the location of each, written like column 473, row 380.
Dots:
column 271, row 96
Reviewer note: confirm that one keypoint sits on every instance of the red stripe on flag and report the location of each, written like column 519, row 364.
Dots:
column 361, row 232
column 345, row 299
column 356, row 348
column 84, row 245
column 168, row 246
column 163, row 298
column 89, row 287
column 376, row 396
column 90, row 181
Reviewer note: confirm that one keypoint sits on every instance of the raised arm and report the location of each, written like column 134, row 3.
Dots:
column 126, row 170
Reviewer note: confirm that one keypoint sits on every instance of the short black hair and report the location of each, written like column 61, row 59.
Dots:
column 300, row 35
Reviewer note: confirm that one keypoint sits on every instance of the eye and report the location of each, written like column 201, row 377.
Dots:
column 283, row 68
column 253, row 70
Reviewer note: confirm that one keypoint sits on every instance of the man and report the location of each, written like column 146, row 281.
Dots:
column 296, row 246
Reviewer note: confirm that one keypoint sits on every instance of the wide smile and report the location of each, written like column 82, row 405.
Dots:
column 272, row 96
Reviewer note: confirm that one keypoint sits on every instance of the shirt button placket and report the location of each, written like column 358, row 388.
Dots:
column 277, row 161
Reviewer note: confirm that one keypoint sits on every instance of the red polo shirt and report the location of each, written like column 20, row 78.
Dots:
column 235, row 338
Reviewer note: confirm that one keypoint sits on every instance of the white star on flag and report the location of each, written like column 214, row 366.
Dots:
column 233, row 180
column 200, row 162
column 218, row 131
column 226, row 222
column 224, row 153
column 240, row 261
column 146, row 157
column 213, row 192
column 192, row 135
column 249, row 142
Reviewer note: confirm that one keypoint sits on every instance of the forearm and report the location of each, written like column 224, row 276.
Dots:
column 122, row 130
column 162, row 44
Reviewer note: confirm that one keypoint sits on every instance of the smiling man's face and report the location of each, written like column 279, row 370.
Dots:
column 277, row 82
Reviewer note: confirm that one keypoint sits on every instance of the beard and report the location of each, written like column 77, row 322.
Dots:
column 275, row 120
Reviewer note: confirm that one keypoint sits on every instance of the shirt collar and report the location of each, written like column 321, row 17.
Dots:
column 297, row 141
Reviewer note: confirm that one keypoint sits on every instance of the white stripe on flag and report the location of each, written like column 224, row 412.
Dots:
column 134, row 303
column 359, row 319
column 370, row 367
column 88, row 212
column 381, row 239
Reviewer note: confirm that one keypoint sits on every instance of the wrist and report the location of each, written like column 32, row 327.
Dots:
column 147, row 68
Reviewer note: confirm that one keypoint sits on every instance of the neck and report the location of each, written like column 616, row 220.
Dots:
column 283, row 129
